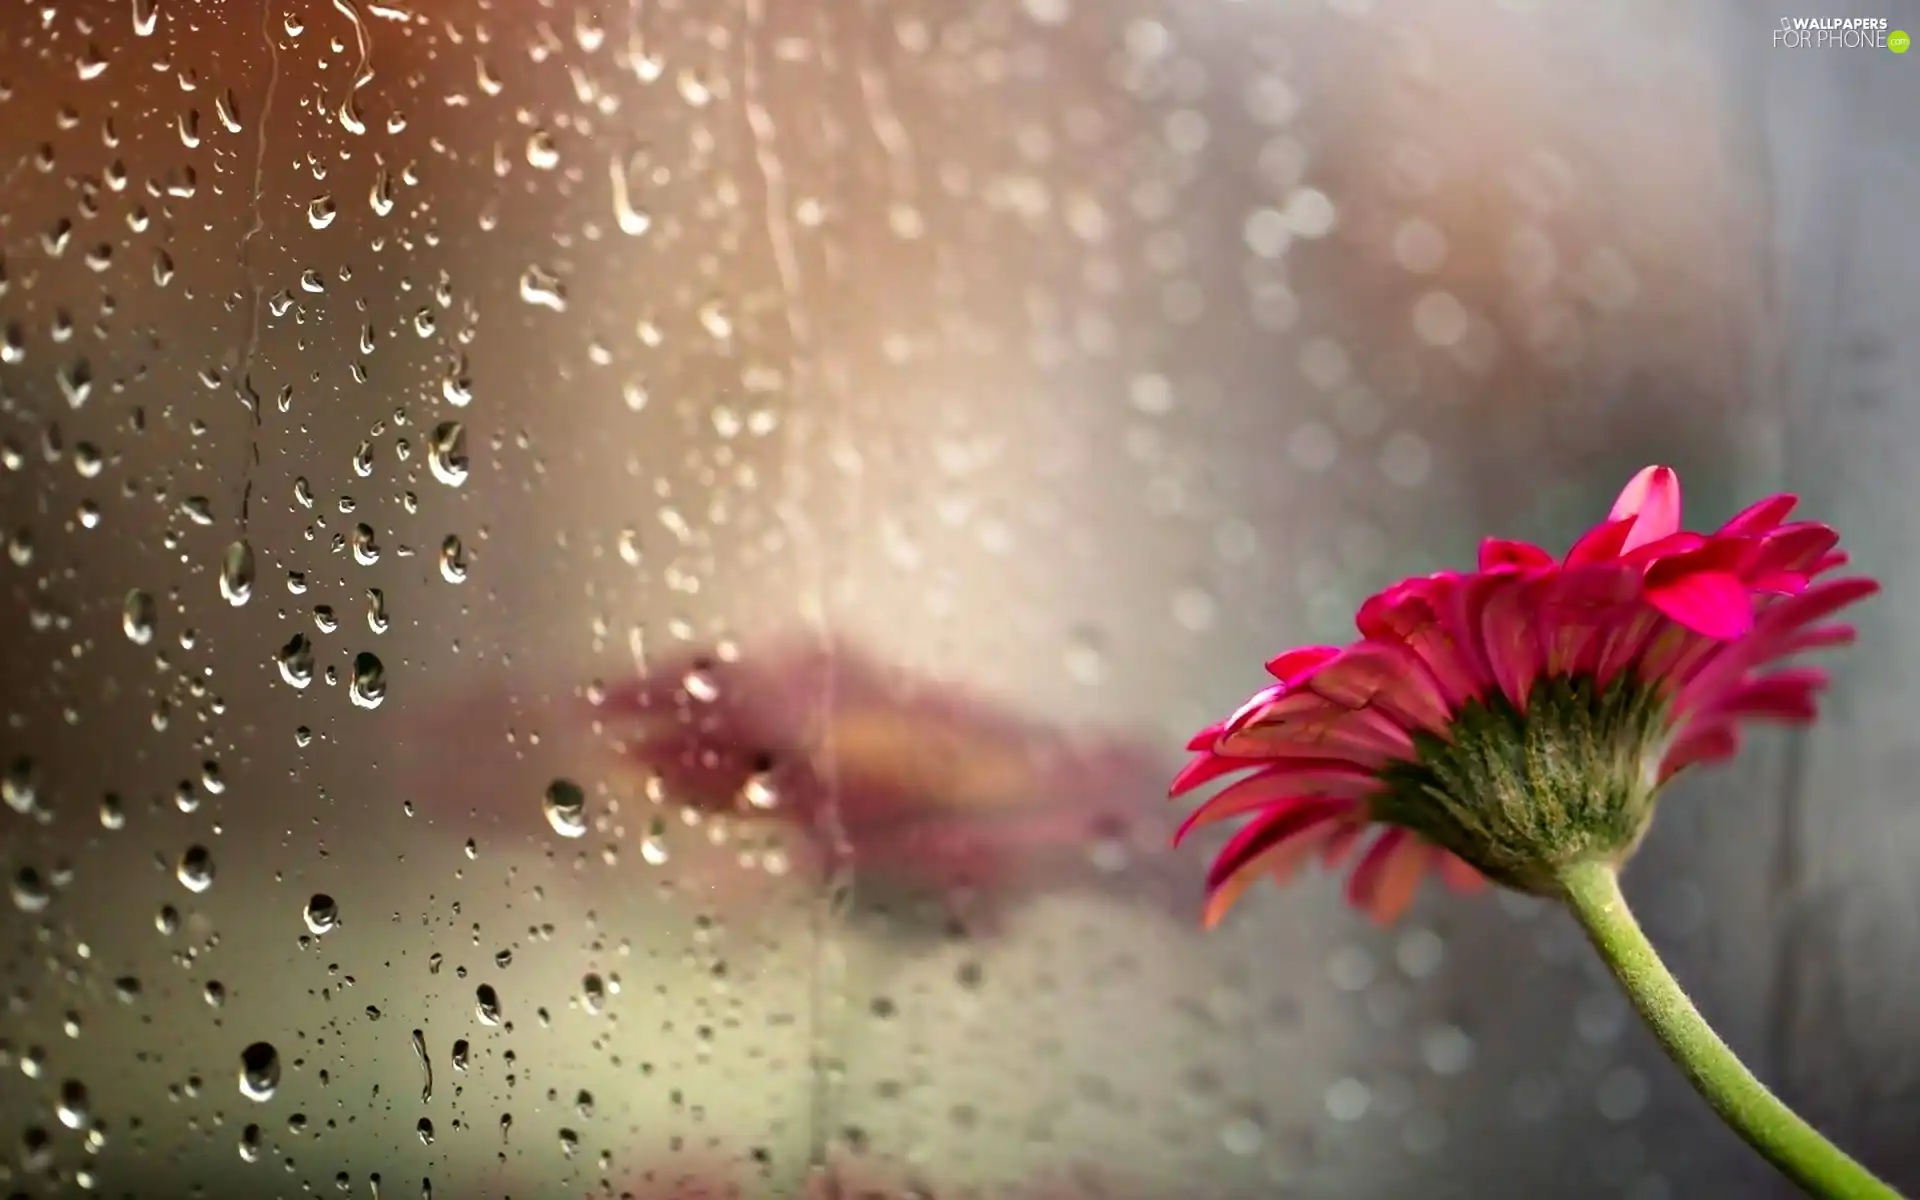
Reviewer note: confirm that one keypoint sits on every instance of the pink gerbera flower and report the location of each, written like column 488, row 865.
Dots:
column 1509, row 722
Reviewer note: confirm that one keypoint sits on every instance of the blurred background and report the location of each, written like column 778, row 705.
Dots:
column 599, row 599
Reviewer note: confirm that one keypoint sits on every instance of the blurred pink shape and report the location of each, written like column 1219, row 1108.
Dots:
column 910, row 781
column 851, row 1178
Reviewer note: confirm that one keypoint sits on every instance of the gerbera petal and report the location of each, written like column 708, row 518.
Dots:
column 1205, row 739
column 1626, row 641
column 1329, row 729
column 1388, row 874
column 1603, row 542
column 1777, row 583
column 1727, row 669
column 1794, row 548
column 1698, row 746
column 1762, row 515
column 1388, row 678
column 1829, row 562
column 1577, row 610
column 1512, row 646
column 1262, row 834
column 1496, row 553
column 1817, row 602
column 1294, row 666
column 1458, row 874
column 1223, row 896
column 1274, row 788
column 1284, row 862
column 1787, row 695
column 1652, row 499
column 1409, row 614
column 1462, row 605
column 1666, row 547
column 1341, row 841
column 1202, row 770
column 1278, row 864
column 1712, row 603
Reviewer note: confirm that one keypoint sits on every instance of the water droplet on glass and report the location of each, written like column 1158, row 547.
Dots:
column 633, row 221
column 366, row 550
column 259, row 1071
column 195, row 869
column 20, row 787
column 565, row 806
column 486, row 1006
column 296, row 661
column 75, row 1110
column 542, row 153
column 236, row 574
column 320, row 212
column 629, row 546
column 146, row 14
column 447, row 453
column 455, row 386
column 322, row 913
column 137, row 617
column 699, row 684
column 453, row 560
column 380, row 196
column 539, row 288
column 369, row 681
column 250, row 1144
column 30, row 891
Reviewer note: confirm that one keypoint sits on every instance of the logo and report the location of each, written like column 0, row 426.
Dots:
column 1840, row 33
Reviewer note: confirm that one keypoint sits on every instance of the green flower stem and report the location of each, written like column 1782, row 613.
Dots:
column 1592, row 891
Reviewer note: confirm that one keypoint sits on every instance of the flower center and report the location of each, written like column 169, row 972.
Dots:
column 1519, row 796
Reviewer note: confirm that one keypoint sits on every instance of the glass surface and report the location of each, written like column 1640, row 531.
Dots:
column 600, row 599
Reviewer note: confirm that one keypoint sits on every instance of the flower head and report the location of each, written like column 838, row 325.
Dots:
column 1507, row 722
